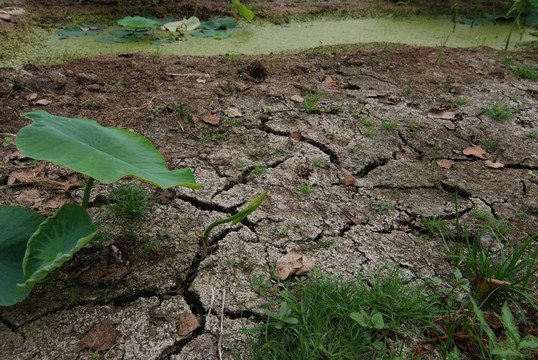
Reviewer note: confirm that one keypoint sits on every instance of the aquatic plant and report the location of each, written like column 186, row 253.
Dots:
column 32, row 246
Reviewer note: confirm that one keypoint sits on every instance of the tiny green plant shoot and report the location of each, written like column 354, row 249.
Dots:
column 31, row 246
column 234, row 219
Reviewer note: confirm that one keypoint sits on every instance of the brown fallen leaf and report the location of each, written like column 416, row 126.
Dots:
column 57, row 200
column 329, row 81
column 436, row 113
column 187, row 323
column 296, row 135
column 43, row 102
column 211, row 119
column 297, row 98
column 345, row 177
column 390, row 100
column 475, row 151
column 26, row 176
column 102, row 336
column 293, row 263
column 31, row 96
column 487, row 285
column 17, row 155
column 233, row 112
column 493, row 165
column 445, row 163
column 30, row 198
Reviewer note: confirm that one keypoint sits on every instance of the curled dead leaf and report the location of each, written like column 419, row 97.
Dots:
column 436, row 113
column 43, row 102
column 345, row 177
column 102, row 336
column 475, row 151
column 329, row 81
column 487, row 285
column 293, row 263
column 187, row 323
column 211, row 119
column 493, row 165
column 296, row 135
column 31, row 96
column 390, row 100
column 445, row 163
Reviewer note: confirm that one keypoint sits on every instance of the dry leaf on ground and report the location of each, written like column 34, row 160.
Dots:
column 293, row 263
column 475, row 151
column 233, row 112
column 445, row 163
column 57, row 200
column 390, row 100
column 26, row 176
column 329, row 81
column 345, row 177
column 43, row 102
column 493, row 165
column 31, row 96
column 487, row 285
column 211, row 119
column 297, row 98
column 436, row 113
column 30, row 198
column 296, row 135
column 102, row 336
column 187, row 323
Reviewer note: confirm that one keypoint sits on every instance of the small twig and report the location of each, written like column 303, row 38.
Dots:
column 191, row 74
column 140, row 107
column 221, row 323
column 8, row 134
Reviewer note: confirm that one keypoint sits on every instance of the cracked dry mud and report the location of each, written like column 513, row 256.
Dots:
column 143, row 291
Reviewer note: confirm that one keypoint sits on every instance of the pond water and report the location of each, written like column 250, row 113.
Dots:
column 269, row 38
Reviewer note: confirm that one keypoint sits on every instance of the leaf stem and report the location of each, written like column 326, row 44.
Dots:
column 87, row 191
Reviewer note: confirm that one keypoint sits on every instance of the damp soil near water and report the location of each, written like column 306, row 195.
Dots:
column 350, row 176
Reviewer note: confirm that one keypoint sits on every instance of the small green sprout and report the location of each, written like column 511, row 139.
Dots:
column 233, row 220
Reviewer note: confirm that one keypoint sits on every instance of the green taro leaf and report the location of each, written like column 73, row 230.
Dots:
column 17, row 224
column 55, row 242
column 138, row 22
column 103, row 153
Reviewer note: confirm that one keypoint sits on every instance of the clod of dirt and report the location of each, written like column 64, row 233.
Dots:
column 256, row 70
column 293, row 263
column 102, row 336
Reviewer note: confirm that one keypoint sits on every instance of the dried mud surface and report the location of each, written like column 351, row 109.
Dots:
column 348, row 184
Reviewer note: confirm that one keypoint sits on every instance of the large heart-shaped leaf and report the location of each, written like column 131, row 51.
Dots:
column 17, row 225
column 104, row 153
column 55, row 242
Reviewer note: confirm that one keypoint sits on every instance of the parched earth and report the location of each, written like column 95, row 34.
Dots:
column 350, row 176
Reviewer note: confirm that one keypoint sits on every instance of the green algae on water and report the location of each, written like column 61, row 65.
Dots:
column 251, row 39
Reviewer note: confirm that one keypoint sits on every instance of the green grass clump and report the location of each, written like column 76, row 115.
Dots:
column 500, row 113
column 321, row 317
column 259, row 170
column 525, row 71
column 129, row 201
column 310, row 103
column 461, row 101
